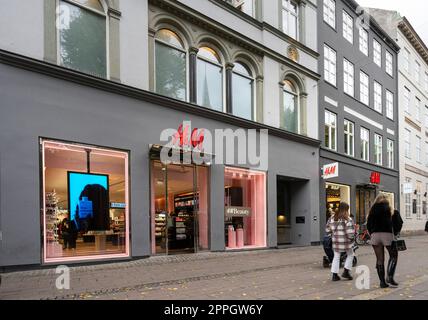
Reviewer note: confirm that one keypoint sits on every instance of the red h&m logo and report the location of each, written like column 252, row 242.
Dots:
column 375, row 178
column 184, row 138
column 330, row 171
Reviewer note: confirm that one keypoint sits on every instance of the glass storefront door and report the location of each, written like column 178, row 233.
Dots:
column 365, row 199
column 179, row 208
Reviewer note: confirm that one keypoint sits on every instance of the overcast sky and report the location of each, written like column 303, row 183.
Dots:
column 414, row 10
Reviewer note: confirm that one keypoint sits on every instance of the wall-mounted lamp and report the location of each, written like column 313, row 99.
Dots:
column 425, row 194
column 416, row 192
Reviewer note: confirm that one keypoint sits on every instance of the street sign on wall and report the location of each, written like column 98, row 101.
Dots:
column 330, row 171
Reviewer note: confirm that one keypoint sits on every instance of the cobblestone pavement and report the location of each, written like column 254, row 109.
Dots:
column 295, row 273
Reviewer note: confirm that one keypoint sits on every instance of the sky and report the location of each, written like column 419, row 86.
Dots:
column 414, row 10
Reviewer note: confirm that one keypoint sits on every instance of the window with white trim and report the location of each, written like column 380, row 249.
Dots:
column 348, row 77
column 290, row 18
column 377, row 97
column 407, row 144
column 408, row 201
column 418, row 199
column 426, row 154
column 364, row 88
column 246, row 6
column 426, row 82
column 330, row 12
column 378, row 149
column 348, row 27
column 349, row 137
column 364, row 41
column 389, row 105
column 330, row 130
column 406, row 57
column 390, row 152
column 417, row 72
column 365, row 144
column 418, row 109
column 418, row 149
column 377, row 53
column 330, row 67
column 389, row 63
column 406, row 98
column 426, row 116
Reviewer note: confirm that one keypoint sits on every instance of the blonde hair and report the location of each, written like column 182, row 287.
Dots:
column 382, row 198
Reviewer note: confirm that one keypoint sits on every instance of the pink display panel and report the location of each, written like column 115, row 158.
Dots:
column 245, row 208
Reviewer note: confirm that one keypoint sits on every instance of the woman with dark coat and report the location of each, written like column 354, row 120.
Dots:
column 379, row 226
column 397, row 225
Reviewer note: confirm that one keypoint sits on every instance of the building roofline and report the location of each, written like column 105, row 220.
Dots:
column 410, row 33
column 375, row 26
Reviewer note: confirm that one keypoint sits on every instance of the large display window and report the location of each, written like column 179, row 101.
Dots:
column 85, row 202
column 245, row 208
column 335, row 194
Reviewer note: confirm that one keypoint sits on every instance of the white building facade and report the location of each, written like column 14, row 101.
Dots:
column 413, row 124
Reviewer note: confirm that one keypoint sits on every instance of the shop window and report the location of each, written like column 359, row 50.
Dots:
column 85, row 193
column 210, row 79
column 245, row 208
column 242, row 92
column 170, row 64
column 335, row 194
column 83, row 37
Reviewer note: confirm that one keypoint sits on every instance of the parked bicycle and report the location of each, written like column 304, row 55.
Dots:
column 363, row 236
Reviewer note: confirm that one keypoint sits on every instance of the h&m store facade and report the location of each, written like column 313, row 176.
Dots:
column 81, row 177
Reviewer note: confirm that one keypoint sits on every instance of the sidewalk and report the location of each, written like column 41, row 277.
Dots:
column 294, row 273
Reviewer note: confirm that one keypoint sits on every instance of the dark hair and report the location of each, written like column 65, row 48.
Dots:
column 343, row 212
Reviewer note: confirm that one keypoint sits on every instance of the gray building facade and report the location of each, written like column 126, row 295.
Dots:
column 358, row 100
column 80, row 173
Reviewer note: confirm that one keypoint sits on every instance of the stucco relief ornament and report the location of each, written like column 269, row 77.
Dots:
column 292, row 53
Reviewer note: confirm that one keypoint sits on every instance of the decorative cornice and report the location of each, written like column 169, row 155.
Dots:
column 114, row 13
column 413, row 169
column 412, row 123
column 52, row 70
column 413, row 37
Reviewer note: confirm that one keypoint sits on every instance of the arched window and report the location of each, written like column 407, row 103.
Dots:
column 83, row 36
column 210, row 79
column 290, row 108
column 170, row 65
column 242, row 92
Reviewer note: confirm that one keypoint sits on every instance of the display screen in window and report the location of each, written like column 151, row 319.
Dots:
column 89, row 201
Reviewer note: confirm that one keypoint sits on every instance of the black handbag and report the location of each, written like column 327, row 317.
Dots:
column 399, row 245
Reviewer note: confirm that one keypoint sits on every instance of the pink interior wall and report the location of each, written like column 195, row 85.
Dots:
column 202, row 175
column 254, row 193
column 153, row 209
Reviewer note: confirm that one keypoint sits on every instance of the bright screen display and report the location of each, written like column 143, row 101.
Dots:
column 88, row 196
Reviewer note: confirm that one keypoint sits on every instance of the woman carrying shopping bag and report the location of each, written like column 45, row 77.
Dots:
column 342, row 229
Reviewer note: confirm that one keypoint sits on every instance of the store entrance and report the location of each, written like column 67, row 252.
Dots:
column 335, row 194
column 179, row 208
column 366, row 196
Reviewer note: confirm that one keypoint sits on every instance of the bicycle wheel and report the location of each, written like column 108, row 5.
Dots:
column 360, row 241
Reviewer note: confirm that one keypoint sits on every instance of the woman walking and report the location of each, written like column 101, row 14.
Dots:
column 397, row 225
column 379, row 226
column 342, row 230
